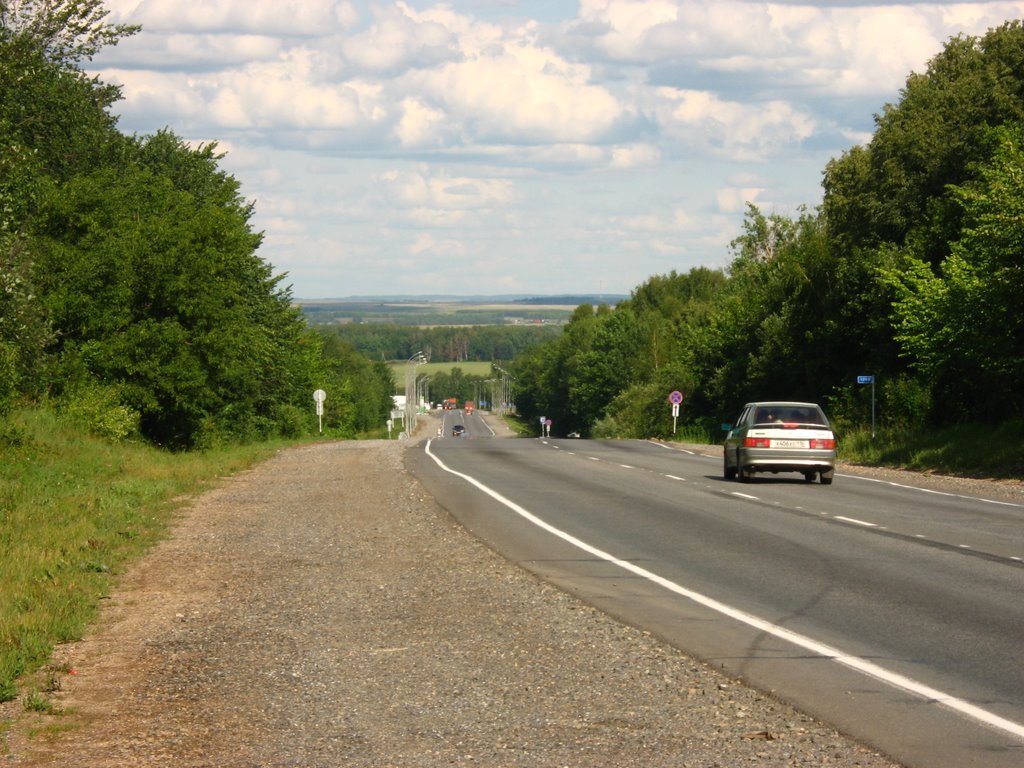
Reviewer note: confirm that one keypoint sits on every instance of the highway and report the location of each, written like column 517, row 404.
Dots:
column 894, row 612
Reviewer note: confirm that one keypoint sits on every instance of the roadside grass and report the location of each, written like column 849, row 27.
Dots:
column 74, row 511
column 970, row 450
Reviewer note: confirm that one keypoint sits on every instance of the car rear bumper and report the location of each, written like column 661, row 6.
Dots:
column 775, row 460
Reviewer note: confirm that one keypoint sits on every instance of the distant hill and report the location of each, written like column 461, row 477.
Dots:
column 509, row 298
column 572, row 301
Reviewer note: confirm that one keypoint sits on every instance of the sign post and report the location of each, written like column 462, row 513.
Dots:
column 318, row 397
column 870, row 380
column 675, row 397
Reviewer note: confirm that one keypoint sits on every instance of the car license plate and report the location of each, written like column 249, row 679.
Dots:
column 789, row 443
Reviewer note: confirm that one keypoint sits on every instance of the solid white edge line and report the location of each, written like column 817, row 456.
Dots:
column 855, row 521
column 802, row 641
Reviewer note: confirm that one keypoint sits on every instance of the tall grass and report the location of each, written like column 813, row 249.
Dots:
column 972, row 450
column 74, row 511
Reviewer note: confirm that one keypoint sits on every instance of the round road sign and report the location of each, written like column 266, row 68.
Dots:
column 675, row 397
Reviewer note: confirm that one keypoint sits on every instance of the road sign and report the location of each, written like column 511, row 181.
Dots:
column 870, row 380
column 675, row 397
column 319, row 396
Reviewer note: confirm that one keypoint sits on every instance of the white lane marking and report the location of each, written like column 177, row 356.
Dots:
column 626, row 466
column 802, row 641
column 929, row 490
column 482, row 419
column 670, row 448
column 855, row 521
column 674, row 477
column 744, row 495
column 593, row 458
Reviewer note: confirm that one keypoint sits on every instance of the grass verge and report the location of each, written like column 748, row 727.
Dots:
column 970, row 450
column 74, row 511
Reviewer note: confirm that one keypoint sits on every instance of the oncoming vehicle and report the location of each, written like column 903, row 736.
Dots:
column 780, row 437
column 458, row 430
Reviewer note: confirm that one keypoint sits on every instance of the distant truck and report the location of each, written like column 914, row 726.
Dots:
column 469, row 408
column 451, row 404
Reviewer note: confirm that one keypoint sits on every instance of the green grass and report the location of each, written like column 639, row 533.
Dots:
column 472, row 368
column 970, row 450
column 74, row 511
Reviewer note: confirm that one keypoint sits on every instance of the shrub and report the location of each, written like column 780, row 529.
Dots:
column 97, row 409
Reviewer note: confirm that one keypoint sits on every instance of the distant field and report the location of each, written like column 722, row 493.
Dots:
column 447, row 312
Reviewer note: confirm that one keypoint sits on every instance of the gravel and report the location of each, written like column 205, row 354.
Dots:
column 322, row 610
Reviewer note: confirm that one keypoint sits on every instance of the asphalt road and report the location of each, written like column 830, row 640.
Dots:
column 891, row 611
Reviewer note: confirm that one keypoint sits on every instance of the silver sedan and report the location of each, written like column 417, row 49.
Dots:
column 780, row 436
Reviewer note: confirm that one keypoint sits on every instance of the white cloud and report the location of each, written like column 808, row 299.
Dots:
column 276, row 17
column 747, row 131
column 735, row 199
column 397, row 41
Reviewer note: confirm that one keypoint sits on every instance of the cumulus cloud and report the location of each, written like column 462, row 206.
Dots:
column 742, row 130
column 274, row 17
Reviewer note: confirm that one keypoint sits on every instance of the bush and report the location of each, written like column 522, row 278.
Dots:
column 98, row 410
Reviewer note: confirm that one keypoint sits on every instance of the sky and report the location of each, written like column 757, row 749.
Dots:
column 483, row 147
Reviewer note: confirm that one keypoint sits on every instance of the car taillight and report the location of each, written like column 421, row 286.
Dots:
column 823, row 444
column 757, row 442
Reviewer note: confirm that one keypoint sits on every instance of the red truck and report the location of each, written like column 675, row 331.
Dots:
column 468, row 407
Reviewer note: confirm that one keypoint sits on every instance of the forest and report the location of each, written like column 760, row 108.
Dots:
column 457, row 344
column 132, row 297
column 911, row 271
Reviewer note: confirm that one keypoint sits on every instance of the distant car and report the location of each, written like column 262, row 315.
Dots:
column 458, row 430
column 780, row 436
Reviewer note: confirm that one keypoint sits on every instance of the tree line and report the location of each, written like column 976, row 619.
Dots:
column 132, row 295
column 457, row 344
column 911, row 270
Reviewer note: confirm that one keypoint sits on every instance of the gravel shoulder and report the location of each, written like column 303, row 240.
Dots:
column 322, row 610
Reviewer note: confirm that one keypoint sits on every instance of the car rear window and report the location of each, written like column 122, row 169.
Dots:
column 790, row 415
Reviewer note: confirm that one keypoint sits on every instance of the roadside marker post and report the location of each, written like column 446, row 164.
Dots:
column 870, row 380
column 318, row 397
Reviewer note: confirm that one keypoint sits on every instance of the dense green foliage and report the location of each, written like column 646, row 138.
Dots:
column 912, row 271
column 458, row 344
column 131, row 291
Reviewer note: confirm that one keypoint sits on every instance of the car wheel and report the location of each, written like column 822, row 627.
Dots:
column 826, row 477
column 746, row 475
column 729, row 472
column 810, row 477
